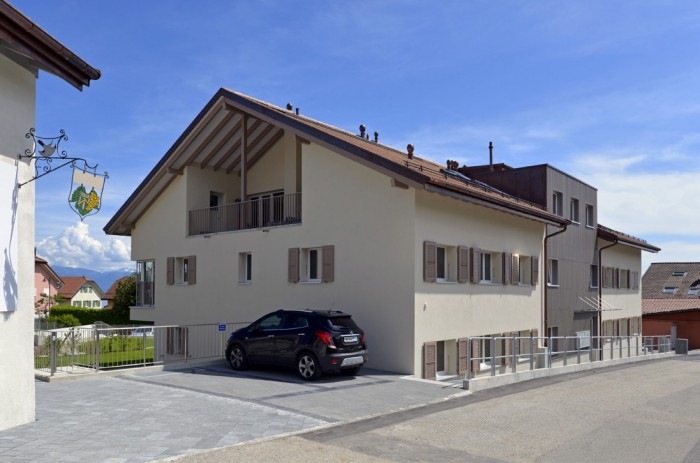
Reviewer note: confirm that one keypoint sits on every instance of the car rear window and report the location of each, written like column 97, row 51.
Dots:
column 338, row 323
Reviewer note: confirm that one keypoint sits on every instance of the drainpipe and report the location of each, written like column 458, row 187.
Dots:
column 600, row 286
column 546, row 298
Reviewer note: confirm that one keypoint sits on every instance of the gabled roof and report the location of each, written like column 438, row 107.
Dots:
column 215, row 136
column 680, row 275
column 43, row 264
column 656, row 306
column 608, row 234
column 73, row 284
column 26, row 43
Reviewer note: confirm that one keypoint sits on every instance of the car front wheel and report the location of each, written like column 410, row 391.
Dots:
column 308, row 367
column 237, row 358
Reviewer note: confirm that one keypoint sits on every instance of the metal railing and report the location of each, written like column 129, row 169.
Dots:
column 268, row 211
column 511, row 354
column 91, row 348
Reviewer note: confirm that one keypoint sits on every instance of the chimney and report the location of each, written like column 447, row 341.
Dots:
column 490, row 156
column 409, row 148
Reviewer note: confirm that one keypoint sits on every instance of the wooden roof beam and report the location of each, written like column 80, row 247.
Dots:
column 214, row 151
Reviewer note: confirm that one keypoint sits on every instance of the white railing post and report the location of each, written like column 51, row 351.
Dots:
column 469, row 358
column 514, row 346
column 578, row 350
column 532, row 353
column 493, row 356
column 52, row 353
column 566, row 349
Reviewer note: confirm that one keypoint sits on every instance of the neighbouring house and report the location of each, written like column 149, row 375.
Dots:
column 46, row 285
column 108, row 296
column 592, row 272
column 671, row 301
column 256, row 207
column 25, row 48
column 81, row 292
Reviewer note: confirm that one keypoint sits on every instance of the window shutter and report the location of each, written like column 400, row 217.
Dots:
column 476, row 262
column 507, row 260
column 463, row 266
column 475, row 356
column 462, row 359
column 616, row 276
column 171, row 271
column 328, row 257
column 535, row 271
column 293, row 266
column 192, row 269
column 430, row 360
column 515, row 269
column 605, row 277
column 429, row 261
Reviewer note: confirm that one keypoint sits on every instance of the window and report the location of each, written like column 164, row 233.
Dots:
column 77, row 304
column 145, row 283
column 669, row 290
column 525, row 270
column 574, row 211
column 443, row 263
column 558, row 203
column 693, row 292
column 267, row 209
column 552, row 272
column 271, row 322
column 491, row 267
column 182, row 270
column 312, row 265
column 245, row 267
column 96, row 304
column 593, row 279
column 590, row 219
column 679, row 274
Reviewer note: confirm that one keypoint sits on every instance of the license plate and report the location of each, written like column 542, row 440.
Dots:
column 352, row 361
column 350, row 339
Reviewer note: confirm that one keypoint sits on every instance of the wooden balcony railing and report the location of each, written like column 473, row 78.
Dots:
column 269, row 211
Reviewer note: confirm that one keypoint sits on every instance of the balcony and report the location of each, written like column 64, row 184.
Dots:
column 267, row 211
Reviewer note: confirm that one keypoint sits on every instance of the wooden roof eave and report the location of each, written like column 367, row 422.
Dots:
column 502, row 206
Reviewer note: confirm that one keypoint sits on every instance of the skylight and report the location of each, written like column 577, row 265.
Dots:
column 669, row 290
column 679, row 273
column 693, row 292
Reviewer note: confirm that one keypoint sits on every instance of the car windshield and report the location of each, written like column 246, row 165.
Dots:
column 341, row 323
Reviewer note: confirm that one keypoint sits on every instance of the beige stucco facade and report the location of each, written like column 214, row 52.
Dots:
column 17, row 115
column 627, row 302
column 377, row 230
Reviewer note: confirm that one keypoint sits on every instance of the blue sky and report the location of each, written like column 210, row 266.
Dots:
column 608, row 91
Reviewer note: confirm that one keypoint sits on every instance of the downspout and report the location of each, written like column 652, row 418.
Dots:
column 546, row 298
column 600, row 286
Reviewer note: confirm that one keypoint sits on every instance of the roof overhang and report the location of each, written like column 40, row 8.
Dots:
column 614, row 236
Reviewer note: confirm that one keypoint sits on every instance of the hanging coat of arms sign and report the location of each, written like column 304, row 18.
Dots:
column 85, row 195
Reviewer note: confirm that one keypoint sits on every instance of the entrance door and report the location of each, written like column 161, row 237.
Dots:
column 674, row 336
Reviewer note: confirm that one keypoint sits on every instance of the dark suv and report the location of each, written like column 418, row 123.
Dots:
column 312, row 341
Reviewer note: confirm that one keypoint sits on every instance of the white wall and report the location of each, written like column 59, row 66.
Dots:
column 17, row 103
column 628, row 301
column 449, row 311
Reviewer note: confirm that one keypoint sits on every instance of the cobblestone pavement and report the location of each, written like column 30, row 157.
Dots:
column 148, row 415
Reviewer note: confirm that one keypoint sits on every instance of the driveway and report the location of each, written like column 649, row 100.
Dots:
column 144, row 415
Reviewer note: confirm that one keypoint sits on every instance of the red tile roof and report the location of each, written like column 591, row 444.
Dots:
column 73, row 284
column 652, row 306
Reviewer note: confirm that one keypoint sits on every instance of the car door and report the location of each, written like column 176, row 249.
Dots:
column 260, row 344
column 295, row 327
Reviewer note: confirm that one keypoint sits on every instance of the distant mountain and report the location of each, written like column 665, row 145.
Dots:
column 103, row 279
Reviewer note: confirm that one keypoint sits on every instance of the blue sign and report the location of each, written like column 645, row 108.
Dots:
column 222, row 326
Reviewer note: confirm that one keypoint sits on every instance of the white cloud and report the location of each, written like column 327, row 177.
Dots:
column 75, row 247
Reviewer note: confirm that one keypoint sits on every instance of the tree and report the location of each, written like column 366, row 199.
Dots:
column 45, row 302
column 125, row 296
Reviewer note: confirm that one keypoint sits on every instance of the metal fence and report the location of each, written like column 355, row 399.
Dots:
column 511, row 354
column 100, row 348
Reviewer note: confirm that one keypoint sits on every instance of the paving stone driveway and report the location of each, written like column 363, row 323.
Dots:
column 147, row 415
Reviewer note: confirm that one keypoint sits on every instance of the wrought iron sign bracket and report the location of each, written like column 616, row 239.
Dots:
column 48, row 157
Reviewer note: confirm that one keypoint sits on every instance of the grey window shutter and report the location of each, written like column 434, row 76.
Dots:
column 476, row 262
column 506, row 269
column 462, row 265
column 429, row 261
column 430, row 360
column 192, row 269
column 535, row 272
column 515, row 270
column 605, row 276
column 462, row 359
column 475, row 356
column 328, row 258
column 171, row 271
column 293, row 266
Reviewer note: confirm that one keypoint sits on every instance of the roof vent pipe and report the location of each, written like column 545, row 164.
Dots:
column 409, row 148
column 362, row 130
column 297, row 111
column 376, row 136
column 289, row 106
column 490, row 156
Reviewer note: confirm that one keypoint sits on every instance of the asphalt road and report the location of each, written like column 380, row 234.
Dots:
column 648, row 412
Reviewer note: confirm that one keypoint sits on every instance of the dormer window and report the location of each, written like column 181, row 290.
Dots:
column 693, row 292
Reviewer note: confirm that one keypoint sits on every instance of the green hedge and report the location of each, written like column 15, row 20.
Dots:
column 90, row 316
